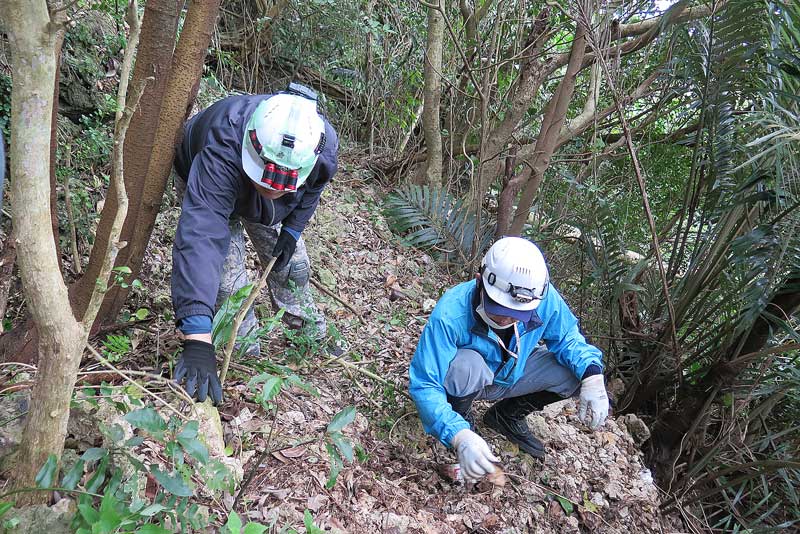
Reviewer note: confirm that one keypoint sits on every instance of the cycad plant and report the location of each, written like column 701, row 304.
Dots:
column 432, row 219
column 723, row 408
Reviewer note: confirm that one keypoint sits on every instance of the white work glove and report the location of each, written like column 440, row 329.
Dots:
column 595, row 398
column 474, row 454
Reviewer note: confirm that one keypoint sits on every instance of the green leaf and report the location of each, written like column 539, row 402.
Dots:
column 148, row 420
column 272, row 386
column 88, row 513
column 336, row 466
column 343, row 444
column 95, row 453
column 152, row 529
column 234, row 524
column 152, row 510
column 135, row 441
column 74, row 475
column 47, row 474
column 5, row 507
column 190, row 430
column 141, row 313
column 342, row 419
column 124, row 269
column 99, row 477
column 254, row 528
column 588, row 504
column 194, row 448
column 172, row 482
column 566, row 504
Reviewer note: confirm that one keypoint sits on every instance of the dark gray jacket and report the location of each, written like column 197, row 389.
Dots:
column 217, row 188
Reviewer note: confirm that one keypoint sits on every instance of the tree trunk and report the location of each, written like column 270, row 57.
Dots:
column 61, row 337
column 153, row 60
column 187, row 67
column 433, row 94
column 546, row 143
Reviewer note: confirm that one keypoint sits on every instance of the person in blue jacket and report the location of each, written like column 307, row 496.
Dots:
column 249, row 162
column 482, row 341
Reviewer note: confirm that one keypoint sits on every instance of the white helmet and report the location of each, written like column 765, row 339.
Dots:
column 514, row 276
column 282, row 141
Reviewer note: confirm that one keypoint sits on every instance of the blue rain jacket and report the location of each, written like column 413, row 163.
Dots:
column 210, row 160
column 454, row 324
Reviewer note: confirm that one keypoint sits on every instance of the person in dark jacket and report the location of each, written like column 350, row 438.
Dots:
column 257, row 163
column 482, row 341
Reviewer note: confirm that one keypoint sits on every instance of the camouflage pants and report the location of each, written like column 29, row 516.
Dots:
column 289, row 288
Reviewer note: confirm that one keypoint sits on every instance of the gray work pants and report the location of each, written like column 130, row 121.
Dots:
column 289, row 288
column 468, row 374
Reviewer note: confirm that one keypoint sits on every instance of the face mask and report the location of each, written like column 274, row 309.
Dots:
column 482, row 312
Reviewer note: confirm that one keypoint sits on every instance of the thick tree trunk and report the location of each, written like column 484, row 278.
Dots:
column 187, row 67
column 433, row 94
column 61, row 337
column 153, row 60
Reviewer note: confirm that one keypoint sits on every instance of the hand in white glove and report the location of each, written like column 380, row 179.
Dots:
column 474, row 454
column 595, row 398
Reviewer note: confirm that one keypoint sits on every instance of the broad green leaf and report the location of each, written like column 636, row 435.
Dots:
column 336, row 466
column 141, row 313
column 148, row 420
column 254, row 528
column 272, row 386
column 342, row 419
column 95, row 453
column 110, row 518
column 135, row 441
column 566, row 504
column 172, row 482
column 343, row 444
column 99, row 477
column 74, row 475
column 152, row 510
column 234, row 524
column 152, row 529
column 88, row 513
column 194, row 448
column 47, row 474
column 190, row 430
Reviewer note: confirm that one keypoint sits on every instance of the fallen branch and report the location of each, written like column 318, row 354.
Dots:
column 370, row 374
column 333, row 295
column 134, row 383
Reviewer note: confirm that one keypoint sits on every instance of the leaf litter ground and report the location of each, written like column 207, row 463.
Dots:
column 590, row 482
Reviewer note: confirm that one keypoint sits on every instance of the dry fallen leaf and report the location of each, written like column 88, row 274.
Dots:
column 498, row 478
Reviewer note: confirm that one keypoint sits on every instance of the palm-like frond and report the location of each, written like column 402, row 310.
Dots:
column 432, row 219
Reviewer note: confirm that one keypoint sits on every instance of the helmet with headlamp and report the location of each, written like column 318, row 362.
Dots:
column 283, row 140
column 514, row 275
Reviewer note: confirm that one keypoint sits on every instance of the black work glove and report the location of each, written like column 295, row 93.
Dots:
column 199, row 366
column 284, row 249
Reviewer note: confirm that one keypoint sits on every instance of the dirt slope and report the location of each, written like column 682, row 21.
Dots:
column 590, row 482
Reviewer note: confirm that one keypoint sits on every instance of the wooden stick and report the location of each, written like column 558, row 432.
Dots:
column 349, row 365
column 237, row 321
column 333, row 295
